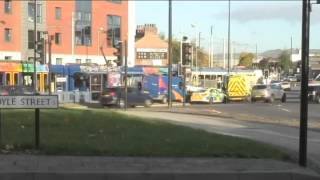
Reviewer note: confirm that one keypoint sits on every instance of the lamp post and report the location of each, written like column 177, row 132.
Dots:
column 228, row 76
column 101, row 29
column 35, row 47
column 195, row 46
column 306, row 9
column 170, row 57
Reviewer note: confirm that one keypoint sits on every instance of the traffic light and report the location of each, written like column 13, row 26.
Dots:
column 118, row 53
column 186, row 53
column 41, row 50
column 266, row 74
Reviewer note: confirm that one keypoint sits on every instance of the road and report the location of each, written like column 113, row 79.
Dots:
column 280, row 113
column 282, row 136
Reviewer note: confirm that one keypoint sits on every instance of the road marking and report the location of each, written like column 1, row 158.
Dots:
column 215, row 111
column 283, row 109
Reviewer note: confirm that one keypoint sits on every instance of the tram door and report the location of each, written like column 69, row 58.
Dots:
column 12, row 79
column 42, row 82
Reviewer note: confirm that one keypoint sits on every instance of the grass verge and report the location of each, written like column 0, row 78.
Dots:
column 103, row 132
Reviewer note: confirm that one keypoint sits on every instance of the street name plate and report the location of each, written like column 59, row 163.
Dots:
column 29, row 102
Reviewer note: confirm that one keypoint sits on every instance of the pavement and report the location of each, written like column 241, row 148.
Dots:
column 36, row 167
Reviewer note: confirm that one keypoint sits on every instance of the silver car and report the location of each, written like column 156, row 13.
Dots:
column 268, row 93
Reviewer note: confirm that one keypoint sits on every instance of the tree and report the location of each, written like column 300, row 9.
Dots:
column 203, row 58
column 246, row 59
column 162, row 36
column 285, row 61
column 175, row 51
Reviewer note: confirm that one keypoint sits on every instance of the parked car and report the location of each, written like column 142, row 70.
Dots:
column 210, row 95
column 116, row 97
column 292, row 78
column 285, row 85
column 268, row 93
column 314, row 93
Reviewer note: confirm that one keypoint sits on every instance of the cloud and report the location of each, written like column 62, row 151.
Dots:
column 265, row 12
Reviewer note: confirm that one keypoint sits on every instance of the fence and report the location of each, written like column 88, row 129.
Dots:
column 75, row 97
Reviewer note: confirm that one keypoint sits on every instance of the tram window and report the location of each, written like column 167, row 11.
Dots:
column 8, row 79
column 1, row 79
column 45, row 79
column 16, row 81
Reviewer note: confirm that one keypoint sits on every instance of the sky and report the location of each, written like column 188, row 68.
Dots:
column 265, row 24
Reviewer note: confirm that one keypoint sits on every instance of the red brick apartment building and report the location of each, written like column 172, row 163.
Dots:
column 79, row 27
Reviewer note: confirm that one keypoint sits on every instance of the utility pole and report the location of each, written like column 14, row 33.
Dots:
column 256, row 52
column 306, row 8
column 170, row 57
column 291, row 49
column 35, row 47
column 228, row 76
column 125, row 75
column 198, row 51
column 50, row 38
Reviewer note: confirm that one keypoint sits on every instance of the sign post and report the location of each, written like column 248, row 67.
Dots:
column 29, row 102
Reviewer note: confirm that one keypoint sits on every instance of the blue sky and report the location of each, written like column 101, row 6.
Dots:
column 269, row 24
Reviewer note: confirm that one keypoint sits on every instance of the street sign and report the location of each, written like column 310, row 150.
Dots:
column 29, row 102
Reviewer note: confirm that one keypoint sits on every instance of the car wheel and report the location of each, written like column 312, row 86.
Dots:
column 164, row 100
column 147, row 103
column 284, row 98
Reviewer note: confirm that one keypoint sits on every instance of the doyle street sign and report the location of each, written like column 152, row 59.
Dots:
column 29, row 102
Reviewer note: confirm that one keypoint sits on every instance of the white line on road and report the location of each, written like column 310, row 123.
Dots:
column 283, row 109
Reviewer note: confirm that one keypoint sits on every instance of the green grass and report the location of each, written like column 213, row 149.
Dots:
column 103, row 132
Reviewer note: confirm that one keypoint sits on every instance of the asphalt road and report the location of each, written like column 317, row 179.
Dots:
column 282, row 136
column 286, row 113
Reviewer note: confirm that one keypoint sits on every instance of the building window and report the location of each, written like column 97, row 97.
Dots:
column 58, row 60
column 58, row 13
column 39, row 13
column 8, row 58
column 83, row 21
column 8, row 34
column 57, row 38
column 88, row 61
column 30, row 39
column 78, row 61
column 83, row 35
column 115, row 1
column 8, row 6
column 31, row 12
column 114, row 30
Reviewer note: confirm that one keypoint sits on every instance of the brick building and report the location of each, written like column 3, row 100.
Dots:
column 151, row 50
column 79, row 29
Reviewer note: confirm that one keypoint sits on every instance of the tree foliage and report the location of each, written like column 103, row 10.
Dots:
column 285, row 61
column 246, row 59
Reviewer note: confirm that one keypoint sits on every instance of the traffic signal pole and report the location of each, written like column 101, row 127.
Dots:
column 35, row 47
column 170, row 57
column 306, row 8
column 125, row 76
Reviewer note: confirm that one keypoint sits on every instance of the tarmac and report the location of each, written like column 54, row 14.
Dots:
column 41, row 167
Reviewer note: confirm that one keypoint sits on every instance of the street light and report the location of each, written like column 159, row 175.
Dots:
column 101, row 29
column 195, row 45
column 306, row 9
